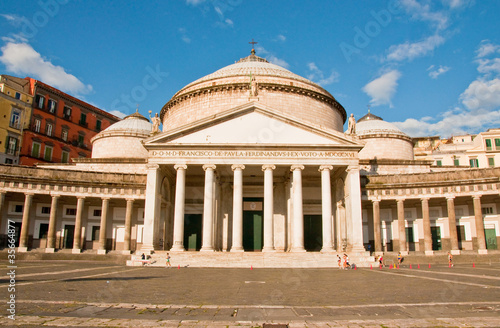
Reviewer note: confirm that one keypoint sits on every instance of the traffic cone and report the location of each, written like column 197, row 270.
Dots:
column 251, row 267
column 371, row 268
column 429, row 265
column 418, row 266
column 410, row 266
column 473, row 265
column 398, row 266
column 390, row 266
column 178, row 266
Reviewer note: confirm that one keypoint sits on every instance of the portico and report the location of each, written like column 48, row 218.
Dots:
column 283, row 181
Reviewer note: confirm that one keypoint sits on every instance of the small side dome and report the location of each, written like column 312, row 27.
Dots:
column 123, row 139
column 383, row 140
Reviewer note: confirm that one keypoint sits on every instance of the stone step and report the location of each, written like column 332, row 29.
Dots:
column 250, row 259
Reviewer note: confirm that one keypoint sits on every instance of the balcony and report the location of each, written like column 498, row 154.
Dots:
column 15, row 125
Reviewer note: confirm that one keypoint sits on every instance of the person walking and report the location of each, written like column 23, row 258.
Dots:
column 450, row 260
column 381, row 260
column 339, row 261
column 168, row 261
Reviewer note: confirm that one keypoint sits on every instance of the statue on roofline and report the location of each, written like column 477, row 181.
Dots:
column 156, row 123
column 351, row 125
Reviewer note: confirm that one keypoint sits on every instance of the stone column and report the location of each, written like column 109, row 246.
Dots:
column 128, row 226
column 103, row 228
column 152, row 208
column 356, row 233
column 237, row 244
column 401, row 227
column 25, row 225
column 77, row 237
column 326, row 208
column 268, row 208
column 298, row 214
column 427, row 227
column 478, row 214
column 452, row 222
column 377, row 235
column 180, row 197
column 51, row 234
column 208, row 209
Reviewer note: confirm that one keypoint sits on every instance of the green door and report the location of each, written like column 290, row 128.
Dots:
column 252, row 231
column 436, row 238
column 69, row 235
column 491, row 238
column 313, row 233
column 192, row 231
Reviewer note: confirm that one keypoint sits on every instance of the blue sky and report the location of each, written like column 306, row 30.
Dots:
column 430, row 67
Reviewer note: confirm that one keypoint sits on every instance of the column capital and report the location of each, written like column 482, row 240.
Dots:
column 152, row 166
column 105, row 198
column 29, row 194
column 235, row 167
column 477, row 196
column 180, row 167
column 208, row 166
column 268, row 167
column 325, row 167
column 55, row 195
column 297, row 167
column 81, row 197
column 130, row 200
column 352, row 168
column 375, row 200
column 400, row 200
column 450, row 197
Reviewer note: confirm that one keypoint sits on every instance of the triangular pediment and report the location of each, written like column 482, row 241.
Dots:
column 251, row 124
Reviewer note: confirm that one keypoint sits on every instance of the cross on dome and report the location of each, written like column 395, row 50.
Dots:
column 253, row 43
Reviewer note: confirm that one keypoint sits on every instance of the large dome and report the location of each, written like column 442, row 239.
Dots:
column 253, row 79
column 123, row 139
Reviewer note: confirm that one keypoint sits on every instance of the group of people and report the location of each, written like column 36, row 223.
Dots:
column 343, row 262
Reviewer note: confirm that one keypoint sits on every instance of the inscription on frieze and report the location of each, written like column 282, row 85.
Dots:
column 252, row 154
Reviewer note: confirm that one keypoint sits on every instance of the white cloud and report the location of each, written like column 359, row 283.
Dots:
column 316, row 75
column 260, row 51
column 482, row 94
column 452, row 122
column 409, row 51
column 454, row 4
column 382, row 89
column 435, row 73
column 281, row 37
column 22, row 59
column 9, row 17
column 194, row 2
column 423, row 12
column 486, row 48
column 489, row 66
column 184, row 35
column 118, row 113
column 229, row 22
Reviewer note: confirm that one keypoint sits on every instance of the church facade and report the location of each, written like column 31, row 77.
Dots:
column 251, row 159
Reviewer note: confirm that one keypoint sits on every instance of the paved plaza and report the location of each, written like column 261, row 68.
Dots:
column 91, row 294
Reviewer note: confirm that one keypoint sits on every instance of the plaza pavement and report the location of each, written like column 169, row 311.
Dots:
column 91, row 294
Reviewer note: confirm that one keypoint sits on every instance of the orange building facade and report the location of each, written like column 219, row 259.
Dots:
column 60, row 126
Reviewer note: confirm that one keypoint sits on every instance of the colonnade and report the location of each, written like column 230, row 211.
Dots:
column 452, row 222
column 77, row 237
column 297, row 215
